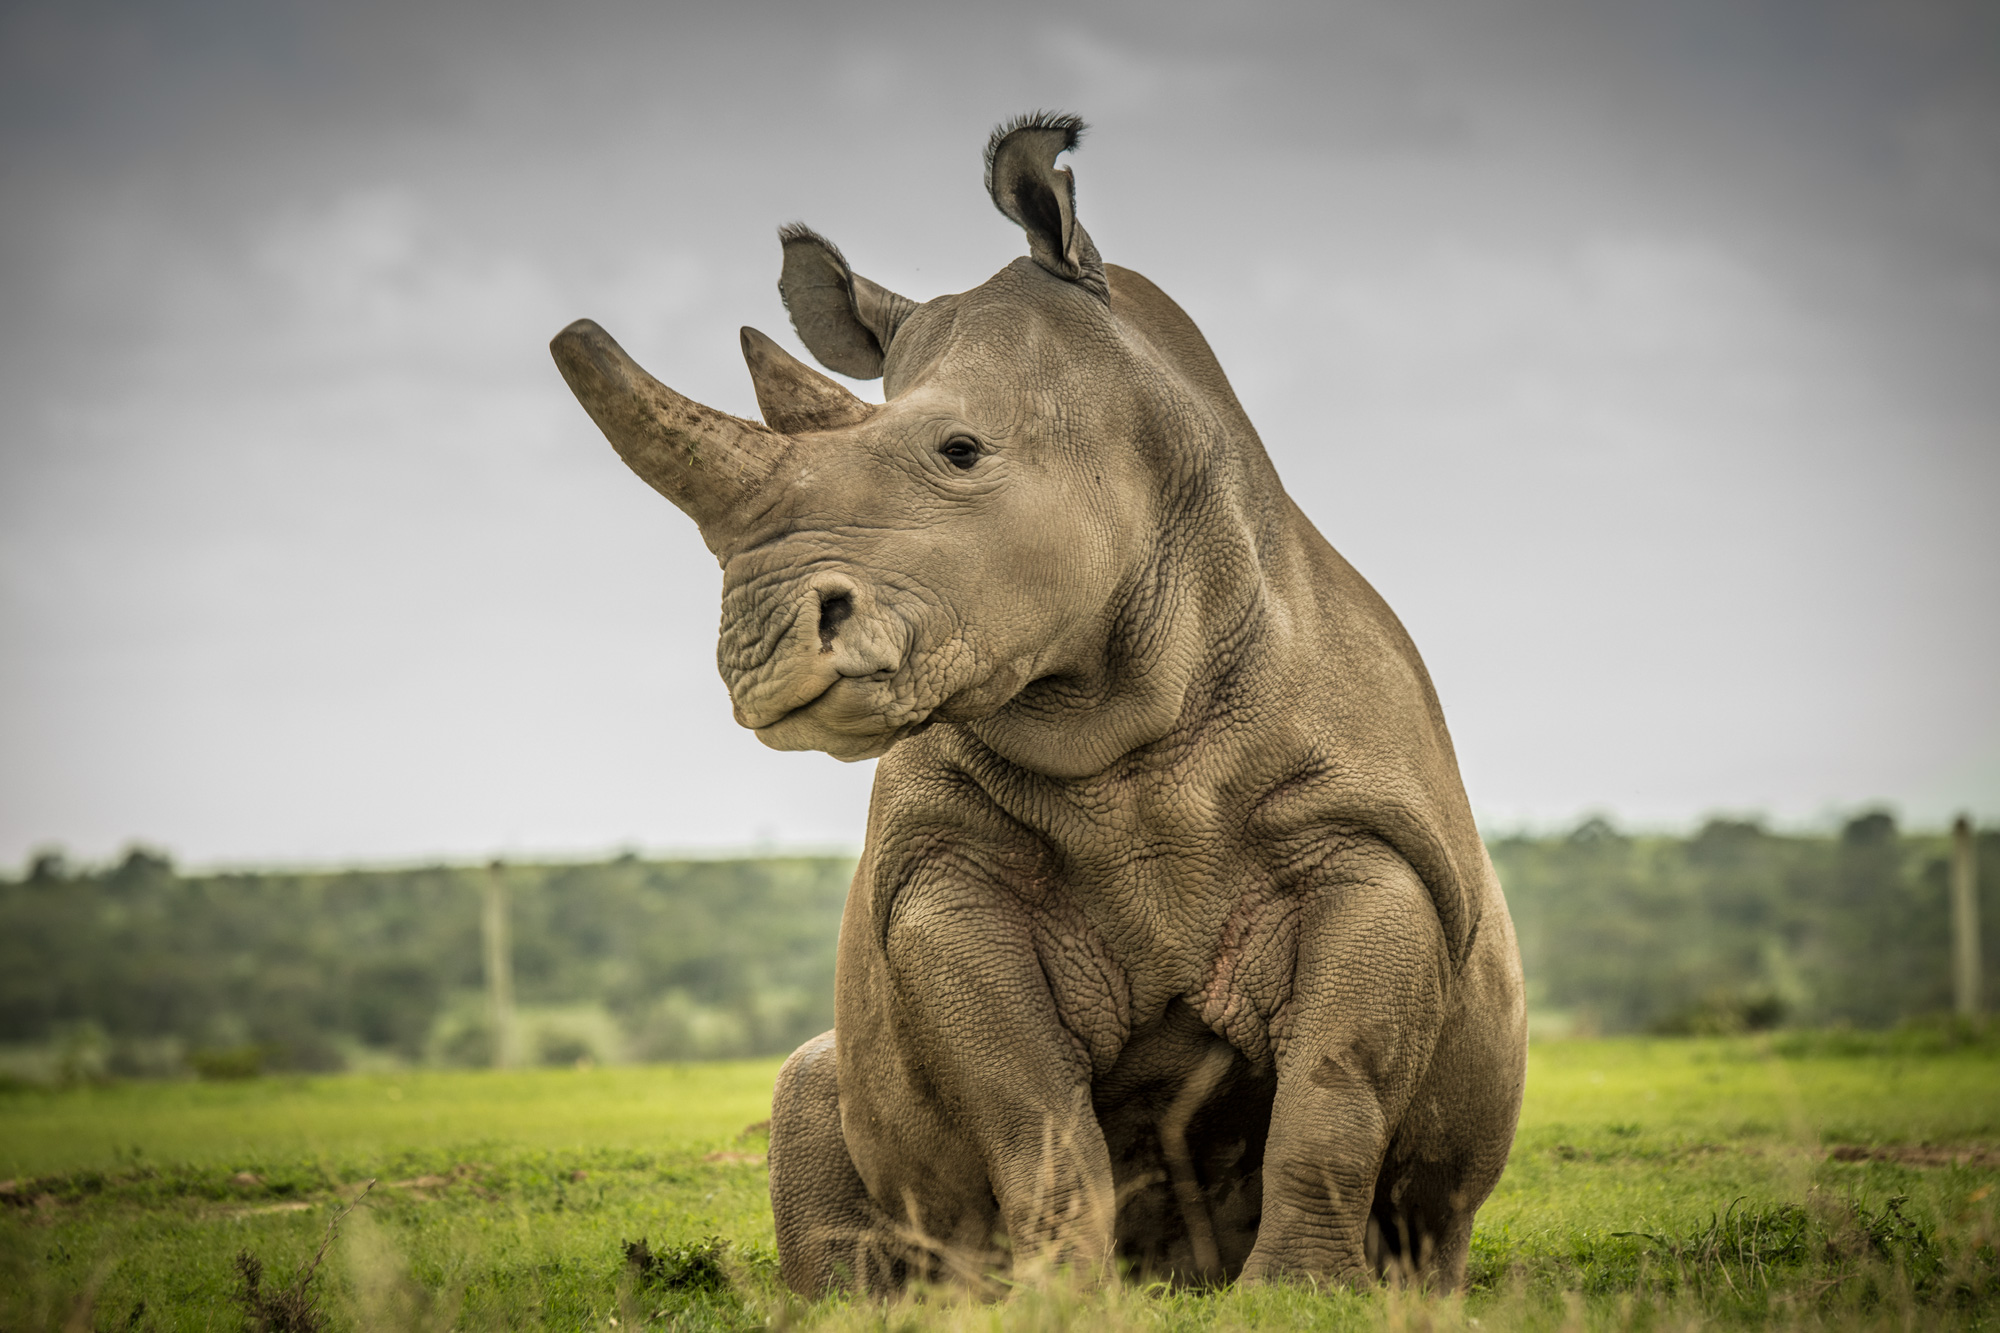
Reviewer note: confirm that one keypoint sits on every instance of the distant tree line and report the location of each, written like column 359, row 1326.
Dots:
column 1739, row 927
column 139, row 969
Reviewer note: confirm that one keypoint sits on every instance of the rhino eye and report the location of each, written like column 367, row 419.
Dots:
column 960, row 452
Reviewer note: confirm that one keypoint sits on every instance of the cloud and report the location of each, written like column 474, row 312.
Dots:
column 1642, row 358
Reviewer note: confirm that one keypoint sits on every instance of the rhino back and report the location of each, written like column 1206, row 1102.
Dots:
column 1371, row 750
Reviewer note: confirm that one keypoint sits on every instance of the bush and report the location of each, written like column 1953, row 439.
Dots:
column 232, row 1062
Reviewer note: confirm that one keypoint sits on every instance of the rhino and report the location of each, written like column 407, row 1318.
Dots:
column 1173, row 945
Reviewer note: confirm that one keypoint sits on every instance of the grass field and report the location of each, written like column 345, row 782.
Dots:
column 1663, row 1183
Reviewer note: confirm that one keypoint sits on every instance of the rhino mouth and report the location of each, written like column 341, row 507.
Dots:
column 854, row 717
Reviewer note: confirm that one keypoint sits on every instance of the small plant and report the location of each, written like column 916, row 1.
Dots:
column 695, row 1266
column 1887, row 1235
column 293, row 1308
column 1738, row 1248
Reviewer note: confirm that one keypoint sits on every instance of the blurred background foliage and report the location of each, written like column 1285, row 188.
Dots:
column 1738, row 928
column 137, row 969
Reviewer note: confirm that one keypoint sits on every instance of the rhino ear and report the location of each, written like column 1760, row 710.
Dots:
column 842, row 318
column 794, row 397
column 1026, row 185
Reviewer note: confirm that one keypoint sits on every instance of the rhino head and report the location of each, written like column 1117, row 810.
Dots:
column 970, row 550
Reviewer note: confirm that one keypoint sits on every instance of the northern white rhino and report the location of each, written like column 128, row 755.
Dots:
column 1173, row 943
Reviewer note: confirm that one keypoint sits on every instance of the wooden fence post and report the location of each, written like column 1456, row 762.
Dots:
column 496, row 936
column 1965, row 919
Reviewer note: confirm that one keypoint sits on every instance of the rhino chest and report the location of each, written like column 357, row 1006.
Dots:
column 1143, row 893
column 1218, row 944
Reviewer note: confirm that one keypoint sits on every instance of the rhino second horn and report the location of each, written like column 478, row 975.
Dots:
column 794, row 397
column 707, row 462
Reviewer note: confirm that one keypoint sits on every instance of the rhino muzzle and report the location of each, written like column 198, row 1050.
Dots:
column 830, row 676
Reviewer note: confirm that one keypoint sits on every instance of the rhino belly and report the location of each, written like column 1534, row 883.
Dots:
column 1185, row 1117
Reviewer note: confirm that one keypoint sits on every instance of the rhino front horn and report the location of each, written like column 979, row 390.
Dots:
column 707, row 462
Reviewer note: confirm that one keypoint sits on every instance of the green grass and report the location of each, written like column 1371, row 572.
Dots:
column 1662, row 1183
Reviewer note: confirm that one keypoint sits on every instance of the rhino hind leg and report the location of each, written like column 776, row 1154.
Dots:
column 831, row 1236
column 1420, row 1229
column 1449, row 1151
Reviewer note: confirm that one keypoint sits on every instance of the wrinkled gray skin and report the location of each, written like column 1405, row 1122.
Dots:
column 1173, row 942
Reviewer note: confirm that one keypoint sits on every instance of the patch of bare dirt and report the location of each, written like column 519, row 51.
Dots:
column 289, row 1206
column 1918, row 1154
column 423, row 1187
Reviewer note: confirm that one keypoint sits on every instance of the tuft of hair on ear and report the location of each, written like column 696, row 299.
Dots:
column 1068, row 124
column 1030, row 190
column 792, row 232
column 799, row 231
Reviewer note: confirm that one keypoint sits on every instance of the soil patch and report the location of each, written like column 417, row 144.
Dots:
column 1919, row 1154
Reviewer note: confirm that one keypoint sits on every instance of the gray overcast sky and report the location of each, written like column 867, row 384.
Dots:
column 1646, row 357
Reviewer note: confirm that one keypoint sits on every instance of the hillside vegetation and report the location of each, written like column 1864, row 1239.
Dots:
column 139, row 969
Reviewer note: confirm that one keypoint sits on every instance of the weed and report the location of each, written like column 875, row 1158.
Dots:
column 1889, row 1238
column 1739, row 1249
column 294, row 1307
column 291, row 1309
column 695, row 1266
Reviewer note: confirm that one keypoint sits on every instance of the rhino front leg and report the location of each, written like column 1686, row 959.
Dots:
column 967, row 1090
column 1367, row 1004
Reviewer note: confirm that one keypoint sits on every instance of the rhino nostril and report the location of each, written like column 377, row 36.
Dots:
column 832, row 611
